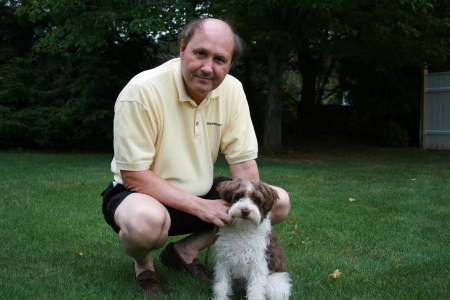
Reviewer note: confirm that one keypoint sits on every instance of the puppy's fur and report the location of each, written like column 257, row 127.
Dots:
column 247, row 253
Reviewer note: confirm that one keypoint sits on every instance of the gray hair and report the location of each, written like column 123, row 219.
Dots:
column 189, row 29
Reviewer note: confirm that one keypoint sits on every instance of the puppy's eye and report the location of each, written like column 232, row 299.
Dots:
column 257, row 200
column 240, row 195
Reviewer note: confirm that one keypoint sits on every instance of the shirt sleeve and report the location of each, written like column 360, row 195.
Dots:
column 239, row 141
column 135, row 131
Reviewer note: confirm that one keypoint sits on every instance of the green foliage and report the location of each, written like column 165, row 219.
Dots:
column 88, row 26
column 60, row 78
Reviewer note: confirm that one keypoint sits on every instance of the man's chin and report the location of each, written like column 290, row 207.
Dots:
column 204, row 88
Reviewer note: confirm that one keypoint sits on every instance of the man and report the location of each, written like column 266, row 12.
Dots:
column 170, row 123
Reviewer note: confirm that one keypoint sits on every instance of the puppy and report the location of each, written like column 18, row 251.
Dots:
column 247, row 252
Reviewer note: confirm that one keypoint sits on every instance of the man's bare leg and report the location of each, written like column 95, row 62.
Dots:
column 144, row 224
column 281, row 208
column 190, row 247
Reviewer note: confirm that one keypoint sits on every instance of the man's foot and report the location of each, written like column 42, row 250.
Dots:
column 148, row 282
column 171, row 259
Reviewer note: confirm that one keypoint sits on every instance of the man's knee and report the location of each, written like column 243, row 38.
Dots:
column 282, row 206
column 143, row 221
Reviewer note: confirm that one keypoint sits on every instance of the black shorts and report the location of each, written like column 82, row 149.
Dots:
column 181, row 222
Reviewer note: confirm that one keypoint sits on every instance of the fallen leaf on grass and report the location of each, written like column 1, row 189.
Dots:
column 399, row 265
column 305, row 241
column 294, row 232
column 292, row 245
column 79, row 253
column 291, row 221
column 351, row 199
column 336, row 274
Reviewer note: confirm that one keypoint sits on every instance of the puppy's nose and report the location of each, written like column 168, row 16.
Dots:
column 245, row 212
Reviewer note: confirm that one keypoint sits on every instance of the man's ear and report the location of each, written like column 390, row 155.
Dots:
column 182, row 49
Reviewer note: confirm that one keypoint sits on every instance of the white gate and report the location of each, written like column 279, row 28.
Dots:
column 436, row 122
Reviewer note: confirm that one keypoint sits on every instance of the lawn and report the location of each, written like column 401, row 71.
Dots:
column 380, row 216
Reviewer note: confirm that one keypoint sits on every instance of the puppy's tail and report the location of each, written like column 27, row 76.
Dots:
column 279, row 286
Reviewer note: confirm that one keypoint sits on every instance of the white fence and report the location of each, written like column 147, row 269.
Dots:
column 436, row 114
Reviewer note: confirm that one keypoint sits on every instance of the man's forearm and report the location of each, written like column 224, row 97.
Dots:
column 147, row 182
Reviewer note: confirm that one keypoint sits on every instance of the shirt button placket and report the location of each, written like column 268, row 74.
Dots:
column 199, row 119
column 196, row 123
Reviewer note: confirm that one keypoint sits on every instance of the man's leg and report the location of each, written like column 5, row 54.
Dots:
column 281, row 208
column 144, row 225
column 190, row 247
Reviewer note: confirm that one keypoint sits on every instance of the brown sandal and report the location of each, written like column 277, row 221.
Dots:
column 148, row 282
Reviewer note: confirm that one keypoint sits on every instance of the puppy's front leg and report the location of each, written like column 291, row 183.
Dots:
column 257, row 283
column 222, row 282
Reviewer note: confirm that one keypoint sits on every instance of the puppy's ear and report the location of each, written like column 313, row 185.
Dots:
column 227, row 189
column 269, row 195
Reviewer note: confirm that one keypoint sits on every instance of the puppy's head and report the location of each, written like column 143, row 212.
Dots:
column 250, row 201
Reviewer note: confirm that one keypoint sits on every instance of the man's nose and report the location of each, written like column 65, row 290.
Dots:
column 207, row 66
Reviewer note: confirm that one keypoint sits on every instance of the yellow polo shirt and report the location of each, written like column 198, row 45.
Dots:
column 157, row 126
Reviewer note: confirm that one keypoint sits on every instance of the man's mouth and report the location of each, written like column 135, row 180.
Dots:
column 205, row 78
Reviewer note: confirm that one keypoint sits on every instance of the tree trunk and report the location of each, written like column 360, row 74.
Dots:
column 272, row 120
column 307, row 119
column 308, row 68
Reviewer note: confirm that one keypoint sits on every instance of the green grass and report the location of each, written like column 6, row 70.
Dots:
column 392, row 242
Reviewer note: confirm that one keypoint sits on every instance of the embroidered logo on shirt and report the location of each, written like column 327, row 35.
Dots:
column 214, row 124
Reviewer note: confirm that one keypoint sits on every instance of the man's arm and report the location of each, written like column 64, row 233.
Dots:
column 147, row 182
column 247, row 170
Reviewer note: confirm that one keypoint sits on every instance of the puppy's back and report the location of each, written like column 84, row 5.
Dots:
column 275, row 255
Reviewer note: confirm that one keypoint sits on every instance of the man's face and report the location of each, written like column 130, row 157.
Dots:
column 206, row 59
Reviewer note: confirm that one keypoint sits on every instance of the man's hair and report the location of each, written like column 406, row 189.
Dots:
column 189, row 29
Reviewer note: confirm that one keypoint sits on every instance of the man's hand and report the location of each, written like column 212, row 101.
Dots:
column 213, row 211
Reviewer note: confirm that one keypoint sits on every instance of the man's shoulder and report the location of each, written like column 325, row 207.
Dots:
column 231, row 80
column 230, row 87
column 151, row 82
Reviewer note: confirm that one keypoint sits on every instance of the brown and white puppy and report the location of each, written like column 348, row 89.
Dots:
column 247, row 252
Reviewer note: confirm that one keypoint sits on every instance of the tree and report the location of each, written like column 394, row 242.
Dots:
column 388, row 33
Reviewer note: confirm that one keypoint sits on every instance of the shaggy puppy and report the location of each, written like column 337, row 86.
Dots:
column 248, row 254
